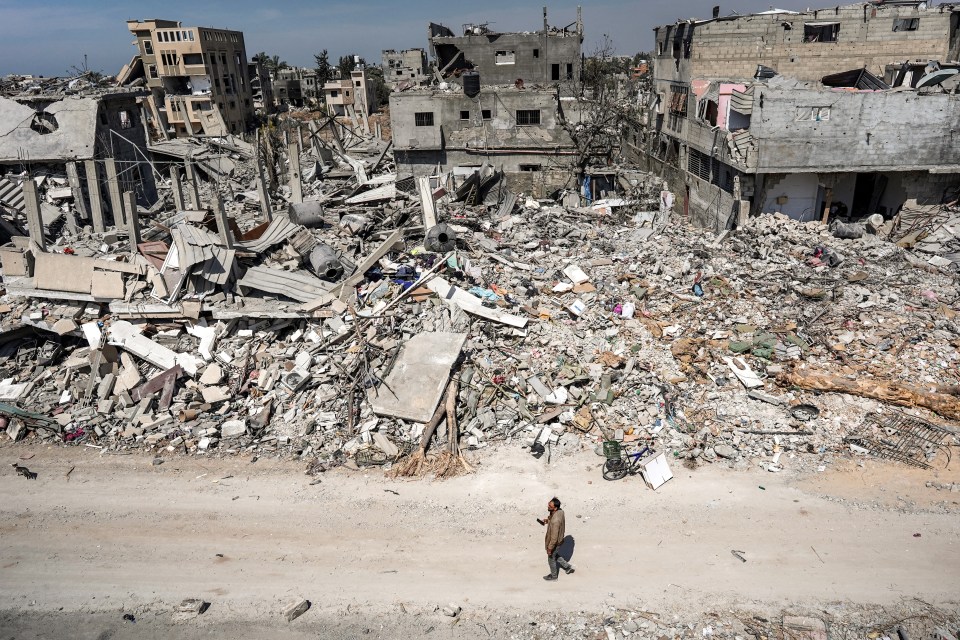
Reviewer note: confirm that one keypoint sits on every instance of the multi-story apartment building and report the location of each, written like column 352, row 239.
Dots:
column 358, row 91
column 198, row 78
column 804, row 113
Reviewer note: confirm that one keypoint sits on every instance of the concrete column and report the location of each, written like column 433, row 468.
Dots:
column 177, row 188
column 31, row 201
column 223, row 223
column 296, row 185
column 314, row 141
column 427, row 203
column 133, row 221
column 80, row 207
column 265, row 206
column 113, row 188
column 193, row 192
column 96, row 203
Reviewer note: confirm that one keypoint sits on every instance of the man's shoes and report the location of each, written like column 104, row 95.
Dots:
column 570, row 570
column 549, row 578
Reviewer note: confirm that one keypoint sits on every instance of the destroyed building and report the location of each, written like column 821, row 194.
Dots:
column 804, row 113
column 519, row 132
column 549, row 55
column 356, row 94
column 295, row 87
column 198, row 78
column 507, row 100
column 407, row 67
column 87, row 149
column 261, row 88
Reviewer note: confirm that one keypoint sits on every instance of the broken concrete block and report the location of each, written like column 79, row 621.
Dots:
column 125, row 400
column 190, row 608
column 214, row 395
column 105, row 388
column 576, row 274
column 64, row 326
column 233, row 428
column 207, row 336
column 725, row 451
column 537, row 385
column 764, row 397
column 296, row 609
column 212, row 375
column 384, row 444
column 91, row 331
column 127, row 336
column 744, row 373
column 10, row 391
column 16, row 430
column 559, row 396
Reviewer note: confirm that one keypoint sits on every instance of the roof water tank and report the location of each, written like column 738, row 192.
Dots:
column 471, row 84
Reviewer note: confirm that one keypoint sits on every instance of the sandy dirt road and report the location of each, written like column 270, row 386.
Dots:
column 119, row 534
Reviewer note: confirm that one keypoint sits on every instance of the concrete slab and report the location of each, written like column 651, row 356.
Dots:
column 415, row 385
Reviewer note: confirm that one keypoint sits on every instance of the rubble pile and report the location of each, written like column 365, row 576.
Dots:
column 325, row 317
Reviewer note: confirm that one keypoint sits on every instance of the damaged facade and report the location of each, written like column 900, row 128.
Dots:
column 550, row 55
column 296, row 87
column 198, row 78
column 356, row 94
column 93, row 146
column 507, row 101
column 407, row 67
column 809, row 114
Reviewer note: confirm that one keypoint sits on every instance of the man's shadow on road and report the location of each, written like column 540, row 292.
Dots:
column 567, row 548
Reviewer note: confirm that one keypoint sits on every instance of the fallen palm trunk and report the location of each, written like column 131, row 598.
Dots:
column 942, row 400
column 451, row 462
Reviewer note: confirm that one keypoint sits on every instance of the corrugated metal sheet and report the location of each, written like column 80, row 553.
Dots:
column 11, row 194
column 386, row 192
column 740, row 143
column 203, row 263
column 296, row 286
column 279, row 230
column 742, row 101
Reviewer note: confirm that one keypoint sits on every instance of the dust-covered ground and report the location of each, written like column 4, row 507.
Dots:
column 380, row 558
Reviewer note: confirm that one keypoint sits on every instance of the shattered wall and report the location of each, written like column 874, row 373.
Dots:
column 409, row 65
column 467, row 131
column 864, row 131
column 731, row 48
column 502, row 58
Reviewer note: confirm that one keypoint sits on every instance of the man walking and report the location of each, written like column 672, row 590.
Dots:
column 555, row 534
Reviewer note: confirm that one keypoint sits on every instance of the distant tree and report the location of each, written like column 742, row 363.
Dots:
column 276, row 64
column 272, row 64
column 597, row 129
column 323, row 67
column 348, row 63
column 380, row 86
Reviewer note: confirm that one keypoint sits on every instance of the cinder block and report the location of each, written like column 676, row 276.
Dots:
column 296, row 609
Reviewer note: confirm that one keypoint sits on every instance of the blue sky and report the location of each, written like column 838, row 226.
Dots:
column 51, row 36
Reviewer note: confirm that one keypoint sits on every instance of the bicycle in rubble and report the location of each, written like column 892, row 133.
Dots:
column 619, row 463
